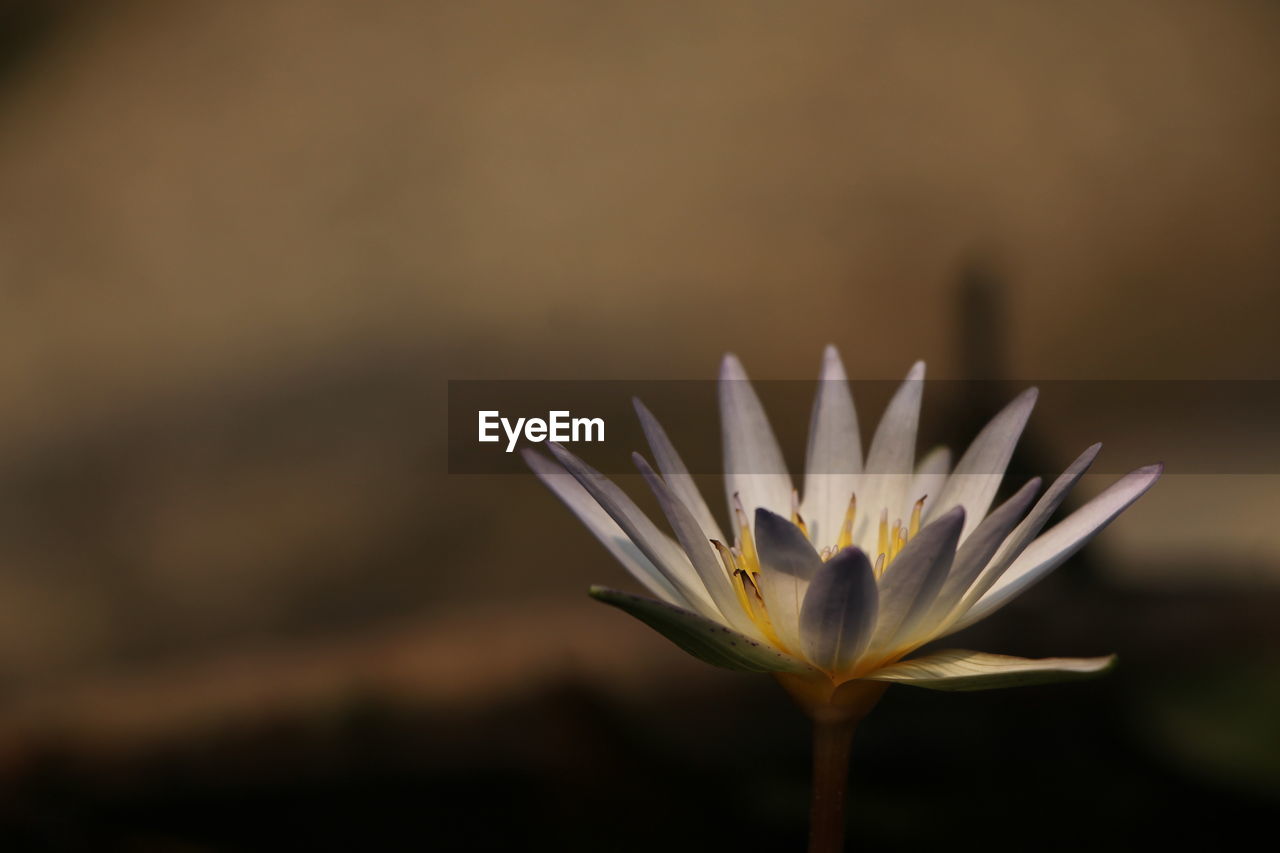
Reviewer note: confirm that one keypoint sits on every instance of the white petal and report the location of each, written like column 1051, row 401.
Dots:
column 911, row 582
column 753, row 464
column 787, row 565
column 1021, row 537
column 976, row 552
column 891, row 459
column 959, row 669
column 701, row 637
column 675, row 473
column 839, row 611
column 652, row 542
column 978, row 473
column 605, row 528
column 1053, row 548
column 696, row 545
column 834, row 459
column 931, row 476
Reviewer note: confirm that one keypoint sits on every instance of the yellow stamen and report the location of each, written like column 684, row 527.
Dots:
column 878, row 568
column 746, row 544
column 732, row 570
column 726, row 557
column 795, row 513
column 915, row 517
column 882, row 542
column 846, row 528
column 756, row 609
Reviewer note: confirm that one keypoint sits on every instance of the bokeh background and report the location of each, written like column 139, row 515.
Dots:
column 244, row 246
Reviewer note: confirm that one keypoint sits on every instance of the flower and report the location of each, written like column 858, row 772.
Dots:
column 832, row 590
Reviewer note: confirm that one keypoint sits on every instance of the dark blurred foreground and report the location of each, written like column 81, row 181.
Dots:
column 1177, row 747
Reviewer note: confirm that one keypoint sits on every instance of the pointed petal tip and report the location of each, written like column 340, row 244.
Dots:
column 848, row 553
column 917, row 371
column 765, row 516
column 731, row 367
column 641, row 463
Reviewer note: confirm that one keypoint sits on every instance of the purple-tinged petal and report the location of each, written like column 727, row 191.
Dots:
column 839, row 611
column 666, row 555
column 911, row 582
column 675, row 473
column 589, row 511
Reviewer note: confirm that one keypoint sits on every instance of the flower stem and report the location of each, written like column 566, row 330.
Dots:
column 831, row 741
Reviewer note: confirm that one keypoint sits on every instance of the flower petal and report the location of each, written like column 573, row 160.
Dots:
column 696, row 545
column 1053, row 548
column 891, row 458
column 652, row 542
column 834, row 458
column 703, row 638
column 675, row 473
column 911, row 582
column 959, row 669
column 977, row 476
column 931, row 476
column 753, row 465
column 570, row 491
column 787, row 565
column 976, row 552
column 839, row 611
column 1020, row 538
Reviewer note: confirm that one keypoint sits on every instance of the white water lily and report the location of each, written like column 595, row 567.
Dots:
column 834, row 586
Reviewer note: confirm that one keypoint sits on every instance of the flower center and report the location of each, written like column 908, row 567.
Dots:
column 742, row 563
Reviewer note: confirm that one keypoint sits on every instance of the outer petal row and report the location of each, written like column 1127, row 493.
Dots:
column 583, row 505
column 959, row 669
column 977, row 475
column 891, row 458
column 753, row 465
column 834, row 458
column 666, row 556
column 701, row 637
column 1053, row 548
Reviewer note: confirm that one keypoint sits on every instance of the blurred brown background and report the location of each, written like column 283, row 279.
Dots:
column 244, row 245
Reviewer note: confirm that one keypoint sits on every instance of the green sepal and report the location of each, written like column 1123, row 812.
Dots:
column 706, row 640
